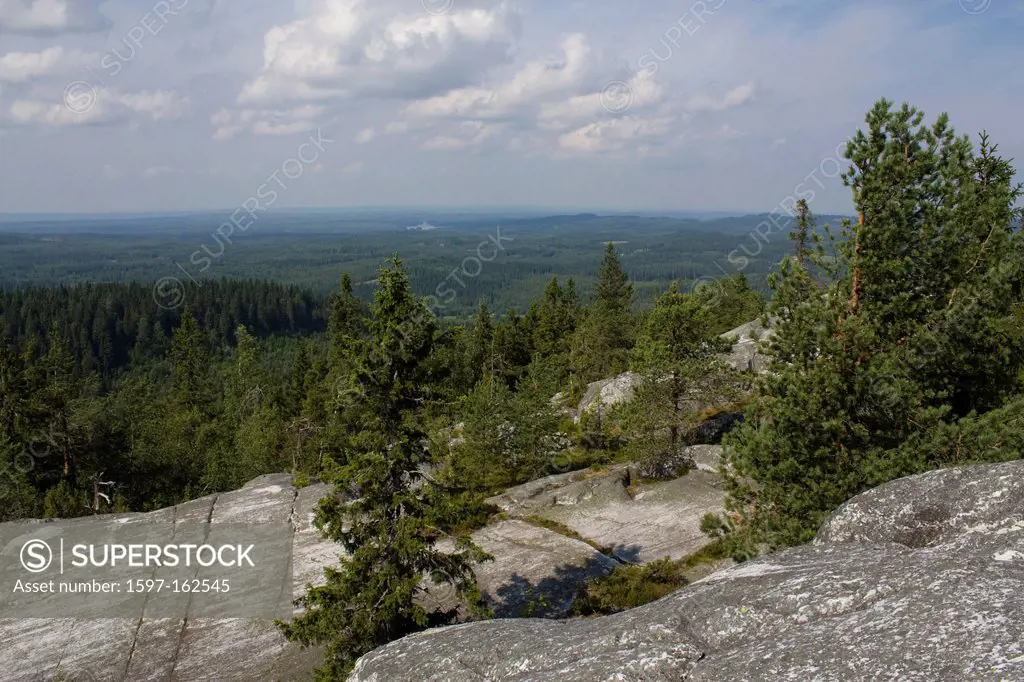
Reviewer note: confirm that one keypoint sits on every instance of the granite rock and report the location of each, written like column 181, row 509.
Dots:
column 921, row 579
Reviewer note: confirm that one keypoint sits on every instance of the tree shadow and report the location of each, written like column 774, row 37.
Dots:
column 627, row 553
column 550, row 597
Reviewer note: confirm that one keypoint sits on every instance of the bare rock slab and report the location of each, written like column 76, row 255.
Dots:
column 144, row 647
column 640, row 523
column 536, row 572
column 921, row 579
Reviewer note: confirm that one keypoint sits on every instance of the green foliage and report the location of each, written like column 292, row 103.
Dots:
column 109, row 327
column 601, row 349
column 307, row 253
column 553, row 322
column 627, row 587
column 900, row 351
column 508, row 437
column 731, row 303
column 681, row 376
column 64, row 502
column 389, row 532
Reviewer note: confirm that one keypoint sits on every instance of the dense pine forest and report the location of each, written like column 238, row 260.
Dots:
column 897, row 347
column 99, row 382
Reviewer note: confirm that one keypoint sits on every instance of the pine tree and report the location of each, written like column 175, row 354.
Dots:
column 389, row 532
column 902, row 350
column 677, row 357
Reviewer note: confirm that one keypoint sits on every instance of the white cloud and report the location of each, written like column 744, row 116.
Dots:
column 231, row 122
column 155, row 171
column 638, row 93
column 50, row 16
column 470, row 134
column 158, row 104
column 29, row 112
column 110, row 172
column 98, row 106
column 741, row 94
column 615, row 135
column 21, row 67
column 372, row 47
column 365, row 135
column 536, row 81
column 354, row 168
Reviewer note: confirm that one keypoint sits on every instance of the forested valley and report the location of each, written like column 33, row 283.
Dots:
column 897, row 347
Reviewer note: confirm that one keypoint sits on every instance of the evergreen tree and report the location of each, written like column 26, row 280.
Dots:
column 902, row 350
column 57, row 389
column 513, row 348
column 345, row 322
column 389, row 532
column 572, row 302
column 191, row 364
column 508, row 437
column 480, row 346
column 190, row 431
column 601, row 349
column 731, row 302
column 554, row 325
column 677, row 358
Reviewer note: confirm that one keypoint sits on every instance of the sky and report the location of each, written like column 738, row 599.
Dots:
column 179, row 105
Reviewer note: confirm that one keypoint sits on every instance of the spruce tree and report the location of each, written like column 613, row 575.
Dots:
column 190, row 431
column 898, row 351
column 480, row 346
column 190, row 364
column 389, row 532
column 601, row 348
column 345, row 319
column 554, row 322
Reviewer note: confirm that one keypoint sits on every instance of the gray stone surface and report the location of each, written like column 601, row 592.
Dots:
column 148, row 648
column 641, row 522
column 607, row 393
column 745, row 354
column 706, row 457
column 536, row 572
column 922, row 580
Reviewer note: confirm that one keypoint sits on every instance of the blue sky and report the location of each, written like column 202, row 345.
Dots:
column 128, row 105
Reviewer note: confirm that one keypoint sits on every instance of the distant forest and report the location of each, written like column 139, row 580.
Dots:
column 311, row 251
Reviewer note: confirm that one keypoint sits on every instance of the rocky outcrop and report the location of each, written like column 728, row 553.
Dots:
column 745, row 355
column 536, row 572
column 921, row 579
column 608, row 393
column 147, row 648
column 638, row 521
